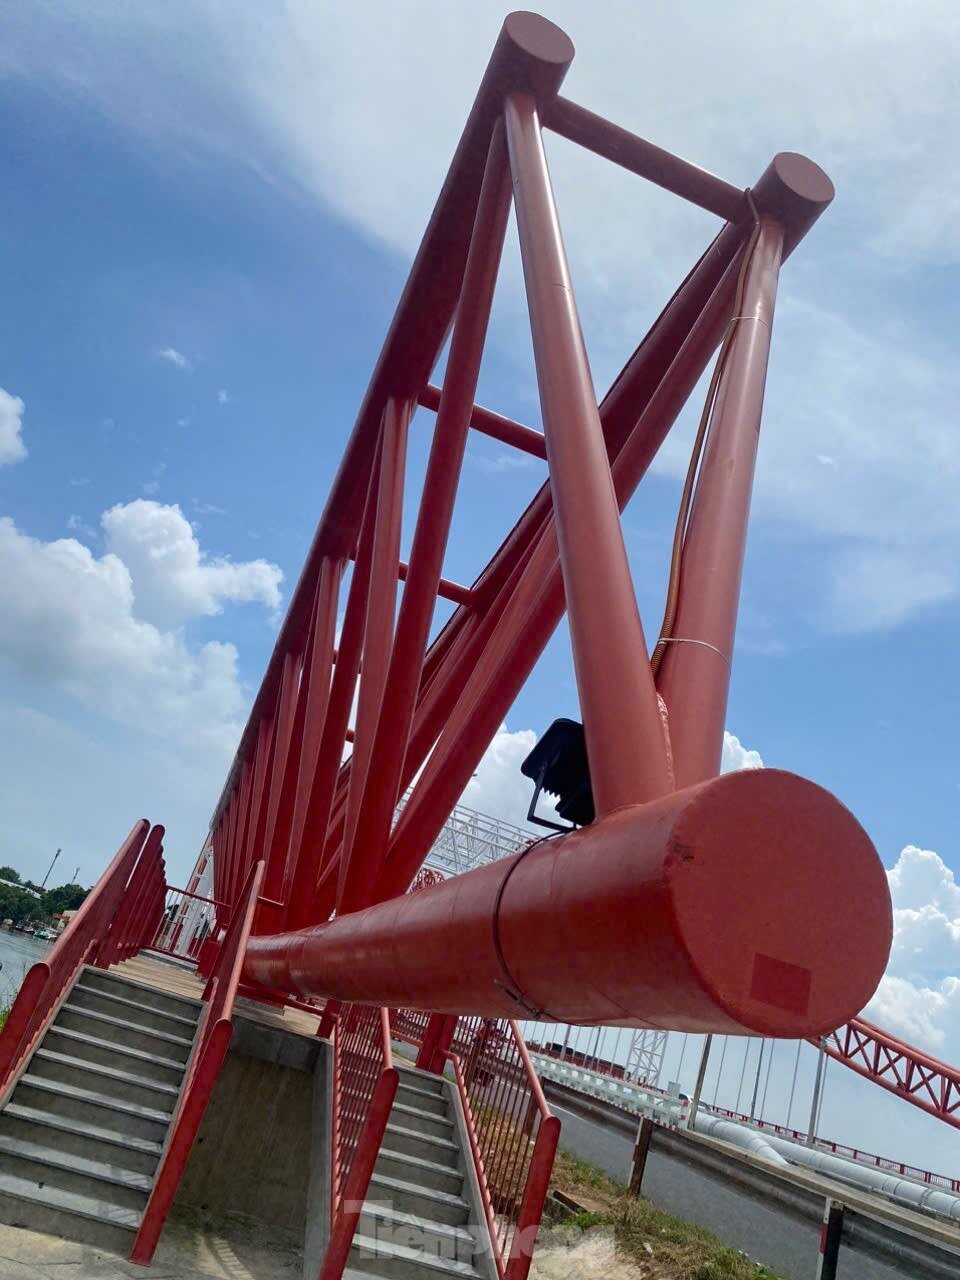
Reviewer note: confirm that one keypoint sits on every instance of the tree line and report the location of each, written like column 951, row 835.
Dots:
column 17, row 904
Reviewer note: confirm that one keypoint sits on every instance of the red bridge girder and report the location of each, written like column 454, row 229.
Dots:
column 900, row 1068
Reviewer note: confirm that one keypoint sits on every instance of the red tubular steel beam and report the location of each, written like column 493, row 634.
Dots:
column 664, row 914
column 274, row 844
column 311, row 712
column 694, row 677
column 624, row 730
column 446, row 589
column 376, row 806
column 660, row 167
column 494, row 425
column 316, row 789
column 530, row 54
column 360, row 859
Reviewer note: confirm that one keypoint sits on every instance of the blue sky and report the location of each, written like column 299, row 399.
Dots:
column 207, row 221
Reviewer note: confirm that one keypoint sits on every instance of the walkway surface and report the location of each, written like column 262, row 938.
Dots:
column 179, row 980
column 191, row 1249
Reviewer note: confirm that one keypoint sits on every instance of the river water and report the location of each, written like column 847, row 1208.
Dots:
column 18, row 951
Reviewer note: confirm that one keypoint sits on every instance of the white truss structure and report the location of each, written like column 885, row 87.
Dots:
column 470, row 839
column 645, row 1057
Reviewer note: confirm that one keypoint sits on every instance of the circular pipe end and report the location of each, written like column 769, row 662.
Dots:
column 794, row 191
column 538, row 38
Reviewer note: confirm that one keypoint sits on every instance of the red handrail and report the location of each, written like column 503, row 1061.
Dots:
column 210, row 1049
column 513, row 1136
column 365, row 1084
column 108, row 909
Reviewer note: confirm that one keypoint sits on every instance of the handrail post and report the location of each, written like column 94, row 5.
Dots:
column 534, row 1195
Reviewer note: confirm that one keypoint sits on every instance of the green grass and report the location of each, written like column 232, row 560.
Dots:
column 645, row 1233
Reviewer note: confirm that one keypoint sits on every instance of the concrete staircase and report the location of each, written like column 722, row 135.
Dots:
column 83, row 1130
column 423, row 1197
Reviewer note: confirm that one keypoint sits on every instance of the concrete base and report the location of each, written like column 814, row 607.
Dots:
column 252, row 1153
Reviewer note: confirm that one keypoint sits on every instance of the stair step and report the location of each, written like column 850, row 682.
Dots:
column 415, row 1169
column 387, row 1224
column 132, row 1010
column 103, row 1052
column 420, row 1121
column 398, row 1137
column 424, row 1099
column 84, row 1218
column 88, row 1141
column 418, row 1079
column 369, row 1256
column 95, row 1108
column 154, row 997
column 46, row 1166
column 120, row 1030
column 99, row 1169
column 130, row 1088
column 415, row 1197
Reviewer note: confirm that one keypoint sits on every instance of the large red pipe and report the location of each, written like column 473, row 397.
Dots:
column 725, row 907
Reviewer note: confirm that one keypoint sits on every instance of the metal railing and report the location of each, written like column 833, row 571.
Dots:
column 583, row 1063
column 364, row 1086
column 186, row 922
column 210, row 1047
column 409, row 1025
column 513, row 1135
column 114, row 921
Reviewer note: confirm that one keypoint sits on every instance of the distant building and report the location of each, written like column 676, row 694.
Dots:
column 12, row 884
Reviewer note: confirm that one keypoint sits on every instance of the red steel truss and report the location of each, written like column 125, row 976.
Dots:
column 900, row 1068
column 665, row 860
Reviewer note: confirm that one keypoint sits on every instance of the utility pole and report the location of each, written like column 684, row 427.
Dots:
column 50, row 868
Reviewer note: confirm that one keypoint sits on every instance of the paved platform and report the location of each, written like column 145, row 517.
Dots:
column 193, row 1247
column 179, row 980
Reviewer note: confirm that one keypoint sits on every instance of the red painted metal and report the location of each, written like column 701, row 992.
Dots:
column 695, row 673
column 364, row 1086
column 85, row 937
column 210, row 1047
column 678, row 923
column 494, row 425
column 643, row 158
column 513, row 1136
column 898, row 1067
column 624, row 729
column 395, row 713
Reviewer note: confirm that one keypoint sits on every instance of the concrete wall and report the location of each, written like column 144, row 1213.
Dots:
column 252, row 1153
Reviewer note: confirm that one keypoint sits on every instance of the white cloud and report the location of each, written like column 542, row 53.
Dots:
column 498, row 788
column 919, row 997
column 102, row 630
column 223, row 396
column 737, row 756
column 172, row 356
column 171, row 578
column 12, row 448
